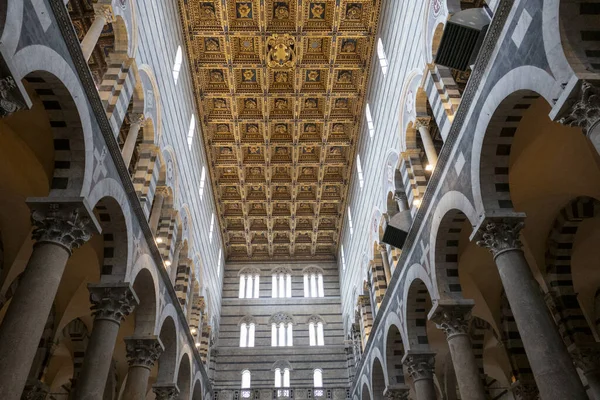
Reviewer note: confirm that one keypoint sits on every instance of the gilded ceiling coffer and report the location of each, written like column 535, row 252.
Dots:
column 281, row 51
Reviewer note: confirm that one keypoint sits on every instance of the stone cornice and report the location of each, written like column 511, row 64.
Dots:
column 83, row 71
column 485, row 55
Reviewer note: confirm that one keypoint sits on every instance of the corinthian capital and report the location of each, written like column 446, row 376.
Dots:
column 585, row 113
column 143, row 351
column 453, row 318
column 500, row 234
column 112, row 301
column 396, row 392
column 135, row 118
column 11, row 99
column 168, row 391
column 104, row 11
column 587, row 358
column 419, row 365
column 67, row 222
column 422, row 122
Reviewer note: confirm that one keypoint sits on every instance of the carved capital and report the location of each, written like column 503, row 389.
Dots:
column 500, row 234
column 396, row 392
column 135, row 118
column 422, row 122
column 104, row 11
column 585, row 113
column 419, row 365
column 10, row 97
column 112, row 301
column 587, row 358
column 35, row 390
column 382, row 249
column 168, row 391
column 143, row 351
column 364, row 300
column 453, row 319
column 525, row 390
column 66, row 222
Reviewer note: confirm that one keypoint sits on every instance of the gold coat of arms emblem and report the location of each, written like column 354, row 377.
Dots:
column 280, row 51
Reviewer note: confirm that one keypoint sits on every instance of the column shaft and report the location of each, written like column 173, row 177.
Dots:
column 159, row 199
column 26, row 316
column 129, row 146
column 137, row 383
column 552, row 366
column 593, row 379
column 428, row 145
column 465, row 368
column 91, row 37
column 425, row 389
column 97, row 361
column 386, row 264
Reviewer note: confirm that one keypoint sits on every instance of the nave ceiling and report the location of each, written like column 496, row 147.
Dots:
column 280, row 87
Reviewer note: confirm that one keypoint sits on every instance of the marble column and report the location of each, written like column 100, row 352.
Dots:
column 136, row 121
column 59, row 227
column 453, row 318
column 396, row 392
column 420, row 367
column 550, row 362
column 168, row 391
column 386, row 263
column 587, row 359
column 422, row 125
column 111, row 303
column 142, row 353
column 159, row 198
column 103, row 15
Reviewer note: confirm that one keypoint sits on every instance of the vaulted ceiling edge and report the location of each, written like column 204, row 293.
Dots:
column 280, row 88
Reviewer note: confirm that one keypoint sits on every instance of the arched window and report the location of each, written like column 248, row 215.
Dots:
column 249, row 284
column 282, row 378
column 191, row 131
column 282, row 333
column 246, row 379
column 247, row 330
column 281, row 283
column 383, row 61
column 350, row 221
column 361, row 177
column 212, row 227
column 313, row 283
column 177, row 64
column 202, row 182
column 315, row 331
column 343, row 258
column 370, row 124
column 318, row 378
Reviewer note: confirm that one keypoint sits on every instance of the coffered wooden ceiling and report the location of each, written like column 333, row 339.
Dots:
column 280, row 86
